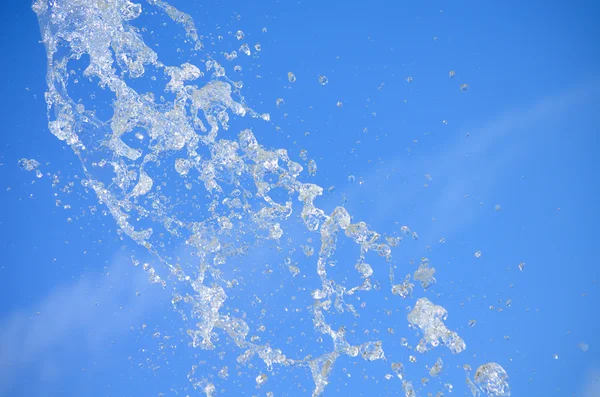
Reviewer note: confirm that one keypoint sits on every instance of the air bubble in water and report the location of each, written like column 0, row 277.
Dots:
column 323, row 80
column 291, row 77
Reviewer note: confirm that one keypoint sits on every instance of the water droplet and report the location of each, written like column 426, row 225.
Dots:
column 493, row 380
column 477, row 254
column 291, row 77
column 451, row 74
column 323, row 80
column 245, row 49
column 312, row 167
column 409, row 79
column 261, row 379
column 464, row 87
column 28, row 165
column 239, row 35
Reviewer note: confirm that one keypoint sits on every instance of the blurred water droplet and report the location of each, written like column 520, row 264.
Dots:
column 261, row 379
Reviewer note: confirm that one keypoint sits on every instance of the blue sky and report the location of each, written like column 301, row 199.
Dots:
column 522, row 137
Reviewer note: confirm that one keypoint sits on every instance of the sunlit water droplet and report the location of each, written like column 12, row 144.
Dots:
column 261, row 379
column 28, row 165
column 493, row 380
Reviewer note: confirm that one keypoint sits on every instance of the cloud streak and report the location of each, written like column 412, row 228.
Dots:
column 96, row 307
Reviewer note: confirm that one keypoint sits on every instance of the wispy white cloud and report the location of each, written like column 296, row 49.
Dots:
column 470, row 165
column 95, row 308
column 591, row 386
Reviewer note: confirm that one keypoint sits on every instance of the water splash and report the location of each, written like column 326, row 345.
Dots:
column 428, row 317
column 492, row 379
column 143, row 159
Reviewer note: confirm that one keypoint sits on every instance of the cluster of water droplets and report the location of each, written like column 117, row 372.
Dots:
column 173, row 180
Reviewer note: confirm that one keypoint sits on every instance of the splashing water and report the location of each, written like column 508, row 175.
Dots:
column 28, row 165
column 175, row 180
column 492, row 380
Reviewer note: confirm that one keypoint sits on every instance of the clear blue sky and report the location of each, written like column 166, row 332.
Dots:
column 513, row 174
